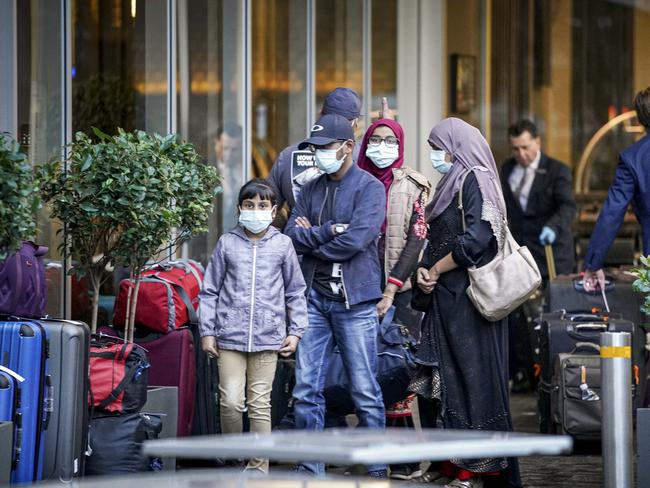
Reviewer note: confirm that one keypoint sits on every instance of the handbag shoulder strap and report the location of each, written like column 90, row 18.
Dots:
column 191, row 311
column 460, row 199
column 460, row 196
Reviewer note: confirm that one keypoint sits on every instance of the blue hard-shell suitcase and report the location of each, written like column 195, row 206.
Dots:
column 10, row 383
column 23, row 349
column 9, row 394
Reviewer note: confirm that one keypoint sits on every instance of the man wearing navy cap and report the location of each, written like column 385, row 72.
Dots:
column 334, row 225
column 294, row 168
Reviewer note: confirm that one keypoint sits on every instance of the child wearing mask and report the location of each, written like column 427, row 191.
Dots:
column 252, row 308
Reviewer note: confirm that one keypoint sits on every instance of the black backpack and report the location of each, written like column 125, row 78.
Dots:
column 115, row 443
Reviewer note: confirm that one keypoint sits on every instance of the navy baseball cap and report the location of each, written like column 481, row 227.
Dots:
column 342, row 101
column 327, row 129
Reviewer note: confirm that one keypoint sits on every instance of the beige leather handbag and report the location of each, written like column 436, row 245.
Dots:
column 507, row 281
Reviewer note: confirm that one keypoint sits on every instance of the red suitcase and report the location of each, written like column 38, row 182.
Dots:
column 173, row 363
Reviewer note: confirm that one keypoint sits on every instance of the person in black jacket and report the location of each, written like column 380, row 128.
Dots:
column 539, row 198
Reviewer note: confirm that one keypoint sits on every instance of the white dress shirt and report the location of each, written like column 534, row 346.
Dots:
column 520, row 172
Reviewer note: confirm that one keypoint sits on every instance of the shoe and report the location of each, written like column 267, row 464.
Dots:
column 434, row 477
column 255, row 472
column 405, row 471
column 378, row 473
column 470, row 483
column 521, row 383
column 300, row 469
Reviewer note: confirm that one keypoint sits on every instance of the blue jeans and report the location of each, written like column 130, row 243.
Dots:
column 354, row 331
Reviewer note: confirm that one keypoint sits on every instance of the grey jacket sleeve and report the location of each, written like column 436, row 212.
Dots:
column 275, row 177
column 280, row 177
column 294, row 293
column 209, row 295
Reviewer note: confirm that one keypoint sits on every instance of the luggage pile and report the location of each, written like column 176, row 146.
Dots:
column 118, row 391
column 43, row 376
column 569, row 353
column 166, row 324
column 71, row 404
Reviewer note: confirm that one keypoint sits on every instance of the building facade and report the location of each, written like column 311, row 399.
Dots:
column 258, row 70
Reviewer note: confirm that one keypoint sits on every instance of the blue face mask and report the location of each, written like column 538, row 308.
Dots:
column 326, row 160
column 438, row 161
column 381, row 155
column 255, row 221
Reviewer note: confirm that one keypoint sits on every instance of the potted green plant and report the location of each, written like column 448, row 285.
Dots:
column 19, row 197
column 177, row 199
column 642, row 283
column 122, row 197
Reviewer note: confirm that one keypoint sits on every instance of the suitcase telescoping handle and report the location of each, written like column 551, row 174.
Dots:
column 579, row 286
column 584, row 317
column 550, row 261
column 591, row 326
column 585, row 332
column 585, row 346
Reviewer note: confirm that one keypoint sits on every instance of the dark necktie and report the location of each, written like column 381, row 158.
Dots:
column 520, row 186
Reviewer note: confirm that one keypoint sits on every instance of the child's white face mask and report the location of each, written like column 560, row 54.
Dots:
column 256, row 220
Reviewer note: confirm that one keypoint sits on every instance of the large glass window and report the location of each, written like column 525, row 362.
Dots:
column 210, row 102
column 279, row 73
column 464, row 60
column 119, row 65
column 572, row 67
column 39, row 111
column 119, row 80
column 339, row 47
column 384, row 55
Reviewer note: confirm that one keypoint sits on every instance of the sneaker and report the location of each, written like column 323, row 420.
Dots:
column 300, row 469
column 521, row 383
column 470, row 483
column 433, row 477
column 405, row 471
column 378, row 473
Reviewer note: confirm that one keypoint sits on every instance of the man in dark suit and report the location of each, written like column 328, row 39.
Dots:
column 539, row 199
column 631, row 185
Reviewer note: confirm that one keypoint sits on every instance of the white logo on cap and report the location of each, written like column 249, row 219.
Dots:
column 317, row 128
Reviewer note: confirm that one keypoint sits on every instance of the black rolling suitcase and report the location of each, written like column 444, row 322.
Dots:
column 206, row 413
column 282, row 394
column 567, row 292
column 561, row 331
column 67, row 431
column 576, row 393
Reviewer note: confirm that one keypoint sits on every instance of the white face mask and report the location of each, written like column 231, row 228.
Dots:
column 326, row 160
column 381, row 155
column 255, row 220
column 438, row 161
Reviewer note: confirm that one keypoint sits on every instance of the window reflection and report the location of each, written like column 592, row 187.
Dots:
column 339, row 47
column 119, row 80
column 119, row 65
column 210, row 102
column 279, row 78
column 384, row 55
column 39, row 104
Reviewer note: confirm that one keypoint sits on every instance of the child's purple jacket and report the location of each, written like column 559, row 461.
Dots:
column 254, row 293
